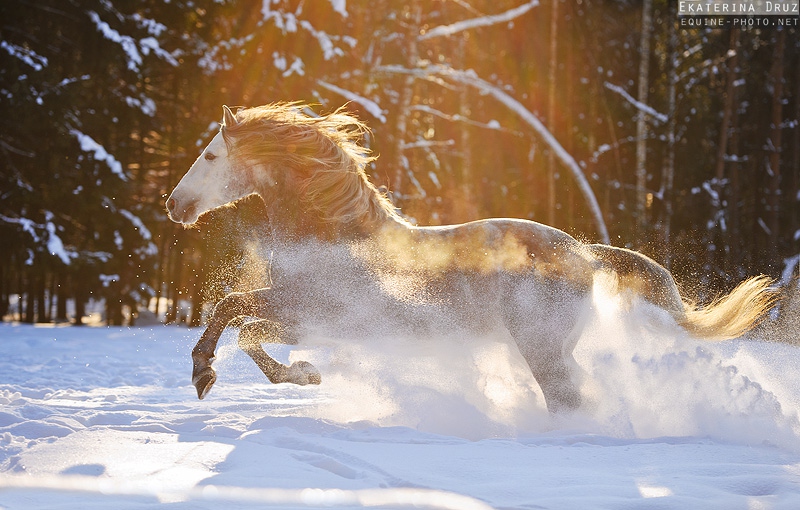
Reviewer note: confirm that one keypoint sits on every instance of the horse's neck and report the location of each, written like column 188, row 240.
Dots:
column 293, row 224
column 290, row 226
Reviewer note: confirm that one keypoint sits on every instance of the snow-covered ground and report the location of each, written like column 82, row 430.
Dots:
column 98, row 417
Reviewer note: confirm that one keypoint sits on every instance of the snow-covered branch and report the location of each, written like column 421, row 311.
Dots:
column 482, row 21
column 10, row 148
column 425, row 144
column 137, row 223
column 99, row 153
column 30, row 57
column 125, row 41
column 472, row 79
column 289, row 22
column 649, row 110
column 492, row 124
column 134, row 51
column 326, row 41
column 371, row 106
column 53, row 242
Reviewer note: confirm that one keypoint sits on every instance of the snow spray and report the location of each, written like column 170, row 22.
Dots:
column 643, row 377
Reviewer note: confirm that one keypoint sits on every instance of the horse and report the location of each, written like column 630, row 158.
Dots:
column 337, row 241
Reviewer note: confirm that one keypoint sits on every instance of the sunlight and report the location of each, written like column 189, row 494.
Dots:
column 605, row 298
column 653, row 491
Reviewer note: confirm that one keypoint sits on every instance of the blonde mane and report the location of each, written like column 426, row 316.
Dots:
column 323, row 151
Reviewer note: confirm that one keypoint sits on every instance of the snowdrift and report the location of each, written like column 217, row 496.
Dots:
column 104, row 417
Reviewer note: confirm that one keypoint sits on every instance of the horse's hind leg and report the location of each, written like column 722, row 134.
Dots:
column 253, row 334
column 546, row 333
column 556, row 374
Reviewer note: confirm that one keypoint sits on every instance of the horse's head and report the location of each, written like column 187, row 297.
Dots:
column 302, row 166
column 213, row 180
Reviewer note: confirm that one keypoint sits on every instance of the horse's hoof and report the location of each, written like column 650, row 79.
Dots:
column 302, row 373
column 203, row 381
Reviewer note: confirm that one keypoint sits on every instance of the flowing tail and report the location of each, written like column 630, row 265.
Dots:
column 727, row 317
column 732, row 315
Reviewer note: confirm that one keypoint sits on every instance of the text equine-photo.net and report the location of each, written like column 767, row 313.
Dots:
column 738, row 14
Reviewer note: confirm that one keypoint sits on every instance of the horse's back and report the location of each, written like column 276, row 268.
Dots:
column 510, row 247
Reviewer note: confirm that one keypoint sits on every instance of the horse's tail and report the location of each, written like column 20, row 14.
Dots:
column 732, row 315
column 727, row 317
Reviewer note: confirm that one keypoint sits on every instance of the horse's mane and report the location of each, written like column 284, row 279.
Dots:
column 323, row 151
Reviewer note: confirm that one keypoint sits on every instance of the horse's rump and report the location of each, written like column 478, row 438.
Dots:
column 727, row 317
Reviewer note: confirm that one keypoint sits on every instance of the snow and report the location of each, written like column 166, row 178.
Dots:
column 55, row 246
column 297, row 68
column 97, row 417
column 30, row 57
column 279, row 61
column 153, row 27
column 647, row 109
column 329, row 50
column 29, row 226
column 149, row 44
column 145, row 104
column 340, row 6
column 138, row 224
column 371, row 106
column 99, row 153
column 789, row 269
column 127, row 42
column 764, row 226
column 108, row 279
column 482, row 21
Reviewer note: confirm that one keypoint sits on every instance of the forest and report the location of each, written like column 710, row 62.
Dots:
column 615, row 121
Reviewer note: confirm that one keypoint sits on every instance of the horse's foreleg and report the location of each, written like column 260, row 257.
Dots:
column 253, row 334
column 254, row 303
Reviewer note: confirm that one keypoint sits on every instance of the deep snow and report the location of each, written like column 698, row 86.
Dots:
column 107, row 418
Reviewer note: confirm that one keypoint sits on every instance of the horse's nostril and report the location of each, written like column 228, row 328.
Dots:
column 170, row 203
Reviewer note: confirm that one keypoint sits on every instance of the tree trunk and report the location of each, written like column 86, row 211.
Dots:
column 196, row 317
column 727, row 111
column 30, row 301
column 794, row 188
column 174, row 283
column 81, row 296
column 721, row 237
column 551, row 112
column 114, row 306
column 668, row 173
column 469, row 200
column 568, row 120
column 641, row 122
column 61, row 298
column 21, row 301
column 5, row 288
column 406, row 98
column 774, row 143
column 735, row 194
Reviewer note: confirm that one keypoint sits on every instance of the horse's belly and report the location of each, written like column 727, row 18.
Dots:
column 404, row 305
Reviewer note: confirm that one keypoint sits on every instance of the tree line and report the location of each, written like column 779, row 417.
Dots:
column 613, row 121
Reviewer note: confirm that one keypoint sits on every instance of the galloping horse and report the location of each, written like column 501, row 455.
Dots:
column 337, row 240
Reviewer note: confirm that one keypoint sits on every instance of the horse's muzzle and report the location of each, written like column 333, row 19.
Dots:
column 178, row 214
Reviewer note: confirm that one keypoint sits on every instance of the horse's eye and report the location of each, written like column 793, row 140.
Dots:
column 210, row 156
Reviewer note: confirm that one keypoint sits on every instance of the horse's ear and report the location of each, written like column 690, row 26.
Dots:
column 228, row 118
